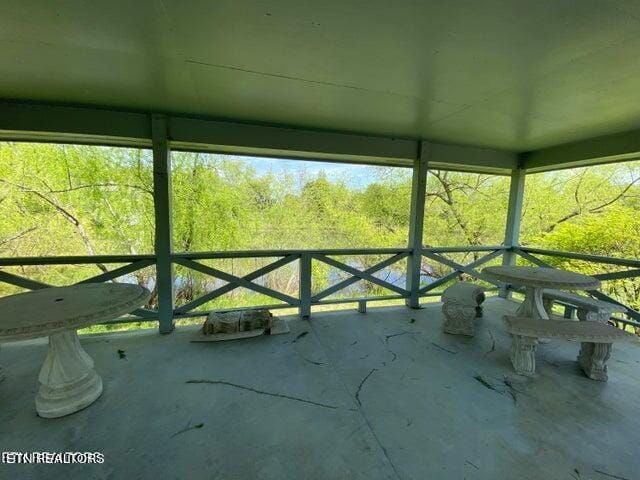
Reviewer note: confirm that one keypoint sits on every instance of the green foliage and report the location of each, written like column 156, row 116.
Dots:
column 58, row 200
column 86, row 200
column 465, row 209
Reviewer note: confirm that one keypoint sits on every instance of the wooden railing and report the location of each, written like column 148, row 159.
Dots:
column 133, row 263
column 305, row 298
column 437, row 254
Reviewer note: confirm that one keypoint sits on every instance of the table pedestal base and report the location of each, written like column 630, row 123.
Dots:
column 68, row 381
column 533, row 305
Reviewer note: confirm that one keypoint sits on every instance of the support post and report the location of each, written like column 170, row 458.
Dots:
column 305, row 285
column 416, row 222
column 163, row 232
column 362, row 306
column 514, row 214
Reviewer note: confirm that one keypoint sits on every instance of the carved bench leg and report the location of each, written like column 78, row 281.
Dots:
column 589, row 316
column 458, row 319
column 523, row 354
column 593, row 360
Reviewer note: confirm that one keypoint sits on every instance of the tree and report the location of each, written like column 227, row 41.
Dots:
column 74, row 200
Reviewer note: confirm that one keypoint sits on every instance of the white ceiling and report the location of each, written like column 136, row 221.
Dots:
column 511, row 74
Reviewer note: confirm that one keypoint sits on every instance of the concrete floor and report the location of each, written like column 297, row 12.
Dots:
column 360, row 396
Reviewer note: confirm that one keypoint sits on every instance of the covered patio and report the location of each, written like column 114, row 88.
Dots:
column 360, row 396
column 512, row 89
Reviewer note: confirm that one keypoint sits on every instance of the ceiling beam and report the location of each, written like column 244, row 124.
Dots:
column 84, row 125
column 37, row 122
column 605, row 149
column 466, row 158
column 276, row 141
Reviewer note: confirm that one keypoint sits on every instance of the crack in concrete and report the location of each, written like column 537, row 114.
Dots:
column 510, row 389
column 443, row 348
column 513, row 390
column 362, row 384
column 312, row 361
column 359, row 409
column 610, row 475
column 493, row 342
column 483, row 382
column 187, row 428
column 472, row 464
column 262, row 392
column 302, row 335
column 386, row 341
column 387, row 337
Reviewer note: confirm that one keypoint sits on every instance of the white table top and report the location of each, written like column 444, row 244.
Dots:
column 51, row 310
column 542, row 277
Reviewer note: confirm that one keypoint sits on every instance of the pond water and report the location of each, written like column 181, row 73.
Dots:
column 395, row 276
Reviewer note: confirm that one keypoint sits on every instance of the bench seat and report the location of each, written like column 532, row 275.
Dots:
column 589, row 309
column 596, row 339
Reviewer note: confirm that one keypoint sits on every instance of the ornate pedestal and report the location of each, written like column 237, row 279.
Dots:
column 593, row 360
column 523, row 354
column 458, row 319
column 461, row 304
column 68, row 381
column 533, row 305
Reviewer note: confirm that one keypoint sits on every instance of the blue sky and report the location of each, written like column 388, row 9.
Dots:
column 357, row 176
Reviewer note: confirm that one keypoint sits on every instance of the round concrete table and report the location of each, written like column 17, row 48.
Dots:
column 68, row 382
column 535, row 280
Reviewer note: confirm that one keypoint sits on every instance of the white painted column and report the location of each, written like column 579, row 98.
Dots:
column 514, row 215
column 416, row 222
column 163, row 231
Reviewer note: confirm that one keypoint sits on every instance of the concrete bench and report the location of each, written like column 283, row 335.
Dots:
column 461, row 303
column 596, row 339
column 589, row 309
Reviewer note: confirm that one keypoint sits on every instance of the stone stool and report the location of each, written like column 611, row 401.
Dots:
column 460, row 305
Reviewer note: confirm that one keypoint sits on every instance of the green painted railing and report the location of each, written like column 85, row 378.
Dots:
column 305, row 299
